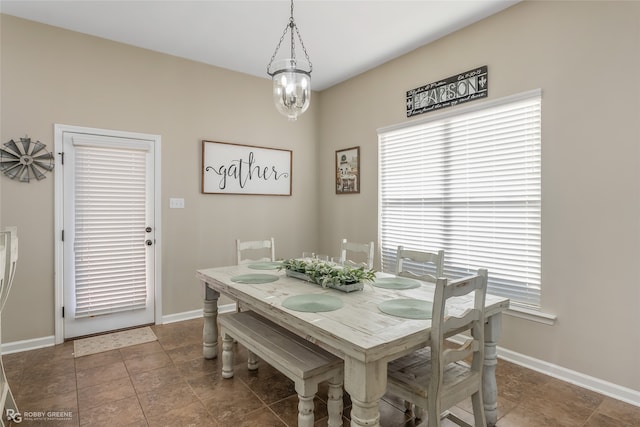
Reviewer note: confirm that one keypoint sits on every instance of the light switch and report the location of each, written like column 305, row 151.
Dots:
column 175, row 203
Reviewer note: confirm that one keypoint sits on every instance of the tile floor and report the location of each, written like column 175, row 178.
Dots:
column 168, row 383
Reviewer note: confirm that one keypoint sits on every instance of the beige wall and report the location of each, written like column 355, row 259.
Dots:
column 584, row 56
column 52, row 76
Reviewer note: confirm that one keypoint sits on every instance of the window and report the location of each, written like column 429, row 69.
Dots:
column 468, row 182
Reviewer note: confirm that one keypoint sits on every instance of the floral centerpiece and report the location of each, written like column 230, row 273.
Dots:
column 344, row 278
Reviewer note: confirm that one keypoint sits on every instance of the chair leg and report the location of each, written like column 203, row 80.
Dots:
column 408, row 408
column 478, row 409
column 334, row 402
column 227, row 356
column 460, row 422
column 238, row 310
column 433, row 411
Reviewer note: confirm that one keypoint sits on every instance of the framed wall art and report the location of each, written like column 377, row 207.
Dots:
column 348, row 170
column 245, row 169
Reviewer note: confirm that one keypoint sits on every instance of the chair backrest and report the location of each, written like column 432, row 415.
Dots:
column 421, row 257
column 255, row 251
column 363, row 251
column 445, row 324
column 9, row 261
column 3, row 256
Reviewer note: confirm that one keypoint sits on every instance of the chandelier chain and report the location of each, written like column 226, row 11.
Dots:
column 284, row 33
column 290, row 25
column 306, row 55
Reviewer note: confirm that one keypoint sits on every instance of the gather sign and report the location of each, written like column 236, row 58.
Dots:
column 245, row 169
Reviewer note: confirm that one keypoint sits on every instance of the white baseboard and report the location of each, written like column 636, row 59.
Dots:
column 194, row 314
column 594, row 384
column 35, row 343
column 32, row 344
column 614, row 391
column 179, row 317
column 591, row 383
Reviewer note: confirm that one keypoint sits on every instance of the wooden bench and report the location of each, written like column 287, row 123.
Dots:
column 304, row 363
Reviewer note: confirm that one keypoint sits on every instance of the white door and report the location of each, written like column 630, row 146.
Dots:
column 108, row 236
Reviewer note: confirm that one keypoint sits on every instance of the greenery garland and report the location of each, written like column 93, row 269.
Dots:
column 327, row 274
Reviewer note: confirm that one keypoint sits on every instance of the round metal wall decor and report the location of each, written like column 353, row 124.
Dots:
column 25, row 160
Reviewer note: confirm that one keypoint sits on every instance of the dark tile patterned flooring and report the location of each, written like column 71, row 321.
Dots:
column 168, row 383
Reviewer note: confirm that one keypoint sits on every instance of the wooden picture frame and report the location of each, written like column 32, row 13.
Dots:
column 245, row 169
column 348, row 171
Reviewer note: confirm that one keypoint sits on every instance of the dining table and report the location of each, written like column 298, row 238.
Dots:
column 360, row 328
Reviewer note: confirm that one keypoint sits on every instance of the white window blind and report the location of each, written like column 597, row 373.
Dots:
column 468, row 182
column 110, row 188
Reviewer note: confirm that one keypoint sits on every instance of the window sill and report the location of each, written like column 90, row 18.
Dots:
column 529, row 314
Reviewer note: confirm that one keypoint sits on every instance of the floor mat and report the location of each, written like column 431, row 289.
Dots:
column 115, row 340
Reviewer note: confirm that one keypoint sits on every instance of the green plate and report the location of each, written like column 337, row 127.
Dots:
column 254, row 278
column 268, row 265
column 396, row 283
column 313, row 303
column 407, row 308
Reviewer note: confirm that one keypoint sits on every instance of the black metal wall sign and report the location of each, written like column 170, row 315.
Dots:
column 451, row 91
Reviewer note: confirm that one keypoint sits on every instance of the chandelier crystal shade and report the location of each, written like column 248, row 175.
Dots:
column 291, row 76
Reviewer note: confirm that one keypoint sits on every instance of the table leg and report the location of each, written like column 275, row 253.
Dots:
column 210, row 329
column 366, row 383
column 489, row 384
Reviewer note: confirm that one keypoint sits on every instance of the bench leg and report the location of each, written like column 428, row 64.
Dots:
column 334, row 401
column 306, row 393
column 305, row 410
column 227, row 356
column 252, row 361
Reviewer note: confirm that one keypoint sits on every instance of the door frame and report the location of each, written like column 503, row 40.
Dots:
column 59, row 130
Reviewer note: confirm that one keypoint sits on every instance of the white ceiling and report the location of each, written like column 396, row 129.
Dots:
column 343, row 38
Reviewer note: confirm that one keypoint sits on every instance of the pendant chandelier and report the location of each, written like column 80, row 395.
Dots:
column 291, row 76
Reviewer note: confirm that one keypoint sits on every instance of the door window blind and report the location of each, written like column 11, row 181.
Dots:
column 468, row 182
column 110, row 265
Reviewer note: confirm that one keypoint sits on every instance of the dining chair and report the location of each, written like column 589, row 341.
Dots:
column 11, row 248
column 437, row 377
column 8, row 258
column 420, row 258
column 248, row 250
column 361, row 250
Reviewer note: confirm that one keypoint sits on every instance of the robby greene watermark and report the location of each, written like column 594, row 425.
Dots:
column 18, row 417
